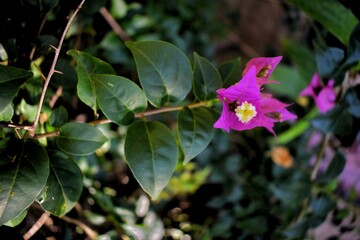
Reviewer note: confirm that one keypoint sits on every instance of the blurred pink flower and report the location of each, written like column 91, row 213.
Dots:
column 350, row 176
column 244, row 107
column 324, row 96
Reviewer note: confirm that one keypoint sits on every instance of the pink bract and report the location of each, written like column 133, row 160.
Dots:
column 268, row 110
column 324, row 96
column 264, row 68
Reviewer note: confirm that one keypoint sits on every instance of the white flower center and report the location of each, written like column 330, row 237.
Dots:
column 245, row 112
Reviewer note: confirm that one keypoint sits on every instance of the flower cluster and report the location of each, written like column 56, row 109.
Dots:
column 324, row 96
column 245, row 106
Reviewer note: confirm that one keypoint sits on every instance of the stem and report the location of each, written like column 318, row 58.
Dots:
column 91, row 233
column 48, row 134
column 44, row 217
column 114, row 25
column 156, row 111
column 319, row 157
column 52, row 69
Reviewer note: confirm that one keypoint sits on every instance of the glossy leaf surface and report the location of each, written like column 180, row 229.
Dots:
column 230, row 72
column 206, row 78
column 11, row 79
column 152, row 154
column 195, row 131
column 22, row 179
column 86, row 65
column 331, row 14
column 64, row 185
column 80, row 138
column 58, row 117
column 7, row 113
column 118, row 97
column 164, row 71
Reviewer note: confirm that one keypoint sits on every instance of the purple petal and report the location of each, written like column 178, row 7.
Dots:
column 271, row 105
column 325, row 101
column 223, row 121
column 310, row 89
column 261, row 63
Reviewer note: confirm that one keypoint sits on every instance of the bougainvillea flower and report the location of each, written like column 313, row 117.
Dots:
column 242, row 105
column 324, row 96
column 276, row 110
column 245, row 107
column 264, row 68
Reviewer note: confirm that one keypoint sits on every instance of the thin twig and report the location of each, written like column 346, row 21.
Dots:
column 246, row 48
column 48, row 134
column 114, row 25
column 154, row 112
column 37, row 225
column 58, row 94
column 52, row 69
column 91, row 233
column 319, row 157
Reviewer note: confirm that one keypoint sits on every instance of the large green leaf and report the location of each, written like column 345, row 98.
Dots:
column 86, row 65
column 206, row 78
column 64, row 185
column 331, row 14
column 80, row 138
column 118, row 97
column 22, row 179
column 152, row 154
column 11, row 80
column 164, row 71
column 195, row 128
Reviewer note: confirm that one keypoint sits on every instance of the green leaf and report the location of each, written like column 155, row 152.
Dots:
column 28, row 111
column 80, row 138
column 118, row 8
column 11, row 80
column 17, row 220
column 328, row 60
column 58, row 117
column 291, row 82
column 206, row 78
column 230, row 72
column 7, row 114
column 331, row 14
column 334, row 169
column 337, row 121
column 352, row 99
column 297, row 230
column 22, row 179
column 164, row 71
column 152, row 154
column 118, row 97
column 8, row 151
column 354, row 47
column 64, row 185
column 320, row 206
column 86, row 65
column 195, row 129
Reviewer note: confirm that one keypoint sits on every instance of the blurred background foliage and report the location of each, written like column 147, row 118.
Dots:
column 243, row 186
